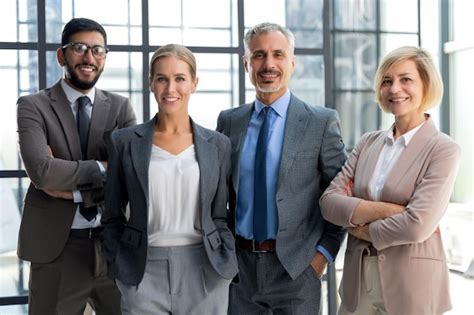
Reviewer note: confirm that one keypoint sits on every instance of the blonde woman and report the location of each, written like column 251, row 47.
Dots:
column 391, row 195
column 174, row 254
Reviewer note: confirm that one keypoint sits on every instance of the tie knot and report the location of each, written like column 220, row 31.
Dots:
column 265, row 111
column 83, row 101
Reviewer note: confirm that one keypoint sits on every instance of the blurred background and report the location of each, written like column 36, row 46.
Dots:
column 338, row 46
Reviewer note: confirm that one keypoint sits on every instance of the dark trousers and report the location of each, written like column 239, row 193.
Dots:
column 77, row 276
column 266, row 288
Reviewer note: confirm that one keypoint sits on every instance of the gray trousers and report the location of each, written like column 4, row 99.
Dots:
column 178, row 280
column 266, row 288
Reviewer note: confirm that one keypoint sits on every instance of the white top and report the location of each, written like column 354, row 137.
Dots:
column 389, row 155
column 173, row 187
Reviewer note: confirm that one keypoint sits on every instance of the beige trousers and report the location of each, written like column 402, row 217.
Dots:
column 371, row 299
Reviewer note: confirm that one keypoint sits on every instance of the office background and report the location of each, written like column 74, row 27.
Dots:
column 338, row 46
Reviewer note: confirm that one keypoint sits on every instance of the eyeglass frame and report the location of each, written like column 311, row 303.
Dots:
column 91, row 48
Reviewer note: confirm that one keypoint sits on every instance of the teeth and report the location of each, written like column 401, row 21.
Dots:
column 171, row 99
column 86, row 69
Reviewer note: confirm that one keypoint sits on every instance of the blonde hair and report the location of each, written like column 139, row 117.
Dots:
column 178, row 51
column 432, row 83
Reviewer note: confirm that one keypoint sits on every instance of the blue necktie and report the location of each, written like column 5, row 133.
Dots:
column 83, row 122
column 260, row 230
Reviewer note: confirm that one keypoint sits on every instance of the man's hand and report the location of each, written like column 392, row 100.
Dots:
column 62, row 194
column 361, row 232
column 319, row 264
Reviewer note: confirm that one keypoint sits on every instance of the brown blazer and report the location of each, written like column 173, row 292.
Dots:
column 45, row 119
column 412, row 262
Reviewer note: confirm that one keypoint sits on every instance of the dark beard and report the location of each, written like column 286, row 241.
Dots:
column 78, row 83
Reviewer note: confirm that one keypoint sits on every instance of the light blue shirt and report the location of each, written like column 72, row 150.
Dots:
column 244, row 213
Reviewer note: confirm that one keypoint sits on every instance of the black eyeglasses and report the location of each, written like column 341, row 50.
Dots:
column 80, row 49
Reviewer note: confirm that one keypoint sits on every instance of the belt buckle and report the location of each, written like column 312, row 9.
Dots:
column 257, row 251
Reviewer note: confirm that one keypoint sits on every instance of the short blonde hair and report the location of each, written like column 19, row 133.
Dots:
column 178, row 51
column 432, row 83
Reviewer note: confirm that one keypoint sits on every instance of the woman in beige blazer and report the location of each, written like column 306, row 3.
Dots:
column 391, row 195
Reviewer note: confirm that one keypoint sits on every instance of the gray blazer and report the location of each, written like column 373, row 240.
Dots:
column 312, row 154
column 46, row 119
column 126, row 240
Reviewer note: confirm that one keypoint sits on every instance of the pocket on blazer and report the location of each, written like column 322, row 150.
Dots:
column 131, row 237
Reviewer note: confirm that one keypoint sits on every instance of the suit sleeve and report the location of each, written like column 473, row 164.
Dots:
column 337, row 202
column 333, row 156
column 45, row 171
column 427, row 205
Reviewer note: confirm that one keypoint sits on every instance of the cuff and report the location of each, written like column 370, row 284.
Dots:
column 76, row 196
column 325, row 253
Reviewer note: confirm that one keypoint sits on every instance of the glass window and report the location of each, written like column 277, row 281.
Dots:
column 389, row 42
column 19, row 77
column 304, row 18
column 15, row 272
column 122, row 27
column 307, row 82
column 358, row 113
column 179, row 23
column 355, row 15
column 20, row 19
column 355, row 60
column 399, row 16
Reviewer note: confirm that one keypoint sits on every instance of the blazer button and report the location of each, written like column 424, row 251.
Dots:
column 382, row 257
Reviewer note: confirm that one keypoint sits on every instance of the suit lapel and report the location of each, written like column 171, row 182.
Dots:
column 207, row 157
column 60, row 105
column 238, row 130
column 100, row 111
column 410, row 155
column 296, row 121
column 141, row 152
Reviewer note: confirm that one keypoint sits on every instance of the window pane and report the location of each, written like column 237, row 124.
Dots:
column 355, row 14
column 389, row 42
column 358, row 113
column 391, row 12
column 122, row 27
column 180, row 23
column 123, row 75
column 307, row 82
column 19, row 18
column 15, row 273
column 355, row 60
column 304, row 18
column 18, row 76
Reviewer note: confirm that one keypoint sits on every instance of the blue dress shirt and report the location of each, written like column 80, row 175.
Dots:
column 244, row 213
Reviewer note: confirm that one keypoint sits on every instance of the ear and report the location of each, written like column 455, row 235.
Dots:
column 195, row 83
column 60, row 57
column 246, row 63
column 150, row 81
column 293, row 63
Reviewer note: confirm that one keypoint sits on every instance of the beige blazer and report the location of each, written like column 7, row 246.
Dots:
column 411, row 258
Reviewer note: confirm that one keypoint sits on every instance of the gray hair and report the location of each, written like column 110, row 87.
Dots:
column 267, row 27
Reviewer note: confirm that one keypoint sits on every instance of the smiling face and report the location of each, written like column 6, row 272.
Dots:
column 401, row 90
column 82, row 72
column 270, row 63
column 172, row 84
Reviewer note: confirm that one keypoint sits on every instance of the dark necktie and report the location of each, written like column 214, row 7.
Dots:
column 83, row 122
column 260, row 231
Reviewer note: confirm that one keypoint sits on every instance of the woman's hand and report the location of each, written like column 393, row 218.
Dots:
column 361, row 232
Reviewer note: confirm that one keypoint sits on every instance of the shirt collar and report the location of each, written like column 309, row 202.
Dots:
column 72, row 94
column 406, row 137
column 280, row 106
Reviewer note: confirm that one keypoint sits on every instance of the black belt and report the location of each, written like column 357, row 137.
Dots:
column 253, row 246
column 87, row 233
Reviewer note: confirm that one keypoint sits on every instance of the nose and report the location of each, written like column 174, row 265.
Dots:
column 269, row 62
column 88, row 55
column 395, row 86
column 171, row 86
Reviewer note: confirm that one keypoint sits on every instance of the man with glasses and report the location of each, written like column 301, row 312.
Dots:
column 63, row 132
